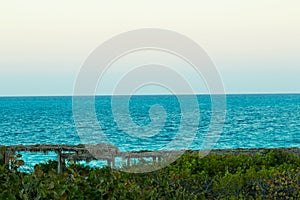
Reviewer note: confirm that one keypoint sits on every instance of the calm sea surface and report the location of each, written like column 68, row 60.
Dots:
column 251, row 121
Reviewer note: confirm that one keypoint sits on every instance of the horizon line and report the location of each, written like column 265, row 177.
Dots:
column 156, row 94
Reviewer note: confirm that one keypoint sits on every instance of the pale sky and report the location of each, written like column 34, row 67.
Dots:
column 254, row 44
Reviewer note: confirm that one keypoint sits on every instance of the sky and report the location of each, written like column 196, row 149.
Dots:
column 254, row 44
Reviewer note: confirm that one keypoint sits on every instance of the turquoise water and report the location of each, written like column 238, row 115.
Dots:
column 251, row 121
column 271, row 120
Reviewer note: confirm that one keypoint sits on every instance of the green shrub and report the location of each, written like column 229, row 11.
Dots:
column 274, row 174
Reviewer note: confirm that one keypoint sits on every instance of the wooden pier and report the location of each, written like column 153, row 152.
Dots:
column 81, row 152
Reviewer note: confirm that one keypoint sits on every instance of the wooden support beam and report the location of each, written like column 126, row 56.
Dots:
column 128, row 162
column 6, row 157
column 2, row 154
column 113, row 162
column 154, row 158
column 60, row 162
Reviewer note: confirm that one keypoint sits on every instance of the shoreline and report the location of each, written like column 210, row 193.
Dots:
column 109, row 153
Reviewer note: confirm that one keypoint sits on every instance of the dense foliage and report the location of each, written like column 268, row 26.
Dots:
column 273, row 175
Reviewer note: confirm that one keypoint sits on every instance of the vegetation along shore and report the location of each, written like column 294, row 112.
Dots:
column 223, row 174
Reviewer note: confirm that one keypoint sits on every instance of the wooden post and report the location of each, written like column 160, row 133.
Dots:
column 76, row 156
column 60, row 162
column 5, row 158
column 154, row 158
column 2, row 155
column 113, row 162
column 128, row 161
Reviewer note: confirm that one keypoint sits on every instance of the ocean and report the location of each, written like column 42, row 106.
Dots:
column 251, row 121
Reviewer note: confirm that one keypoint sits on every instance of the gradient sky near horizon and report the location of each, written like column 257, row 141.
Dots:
column 255, row 44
